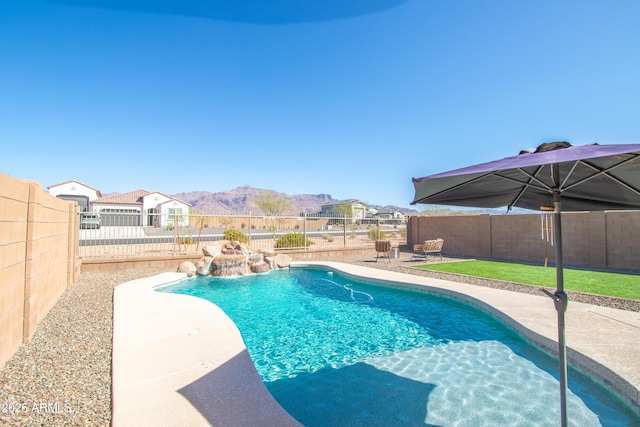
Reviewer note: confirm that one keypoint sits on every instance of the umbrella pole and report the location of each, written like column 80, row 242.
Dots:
column 560, row 300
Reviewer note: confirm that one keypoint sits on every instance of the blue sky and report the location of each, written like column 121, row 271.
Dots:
column 350, row 99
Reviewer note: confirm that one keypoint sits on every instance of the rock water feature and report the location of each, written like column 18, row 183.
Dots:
column 226, row 258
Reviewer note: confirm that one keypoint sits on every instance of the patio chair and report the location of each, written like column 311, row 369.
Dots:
column 429, row 247
column 383, row 246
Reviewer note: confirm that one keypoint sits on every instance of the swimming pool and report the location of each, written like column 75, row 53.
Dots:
column 334, row 351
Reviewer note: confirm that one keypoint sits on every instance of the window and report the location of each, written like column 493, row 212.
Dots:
column 175, row 215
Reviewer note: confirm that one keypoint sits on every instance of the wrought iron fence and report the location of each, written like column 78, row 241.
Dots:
column 131, row 234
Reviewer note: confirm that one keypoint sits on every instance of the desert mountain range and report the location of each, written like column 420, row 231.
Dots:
column 240, row 200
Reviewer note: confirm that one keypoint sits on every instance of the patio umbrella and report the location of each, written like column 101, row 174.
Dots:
column 558, row 175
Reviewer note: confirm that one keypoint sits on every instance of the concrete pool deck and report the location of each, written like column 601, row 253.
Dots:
column 179, row 360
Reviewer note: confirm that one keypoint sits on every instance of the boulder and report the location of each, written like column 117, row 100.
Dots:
column 256, row 258
column 267, row 252
column 187, row 267
column 282, row 260
column 232, row 248
column 260, row 267
column 203, row 266
column 212, row 250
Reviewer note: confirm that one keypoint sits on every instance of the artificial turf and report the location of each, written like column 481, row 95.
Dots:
column 595, row 282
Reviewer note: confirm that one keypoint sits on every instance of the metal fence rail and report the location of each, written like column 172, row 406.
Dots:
column 126, row 234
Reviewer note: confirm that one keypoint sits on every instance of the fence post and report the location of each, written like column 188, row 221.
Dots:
column 344, row 232
column 304, row 229
column 249, row 227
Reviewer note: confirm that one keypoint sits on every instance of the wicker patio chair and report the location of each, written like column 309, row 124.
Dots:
column 383, row 246
column 429, row 247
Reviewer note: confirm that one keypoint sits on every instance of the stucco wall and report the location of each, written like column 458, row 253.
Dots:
column 600, row 240
column 37, row 258
column 74, row 188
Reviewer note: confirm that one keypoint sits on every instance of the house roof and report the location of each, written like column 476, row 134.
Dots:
column 77, row 182
column 174, row 200
column 130, row 198
column 169, row 197
column 344, row 202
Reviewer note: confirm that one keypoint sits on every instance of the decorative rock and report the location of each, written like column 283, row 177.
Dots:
column 232, row 248
column 229, row 265
column 187, row 267
column 203, row 266
column 248, row 249
column 232, row 258
column 212, row 250
column 282, row 260
column 267, row 252
column 260, row 267
column 256, row 258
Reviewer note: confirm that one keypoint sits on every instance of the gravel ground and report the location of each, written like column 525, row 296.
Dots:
column 63, row 376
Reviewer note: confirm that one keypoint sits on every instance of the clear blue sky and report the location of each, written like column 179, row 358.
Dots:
column 349, row 98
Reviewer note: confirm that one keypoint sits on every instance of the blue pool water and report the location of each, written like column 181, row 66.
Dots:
column 339, row 352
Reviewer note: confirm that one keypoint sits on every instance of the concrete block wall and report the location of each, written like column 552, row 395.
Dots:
column 599, row 240
column 623, row 239
column 470, row 237
column 518, row 237
column 37, row 258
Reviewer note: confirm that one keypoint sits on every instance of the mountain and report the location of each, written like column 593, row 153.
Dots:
column 240, row 200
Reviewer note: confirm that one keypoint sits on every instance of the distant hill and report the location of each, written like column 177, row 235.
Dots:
column 240, row 200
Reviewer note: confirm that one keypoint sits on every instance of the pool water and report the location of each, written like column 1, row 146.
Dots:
column 339, row 352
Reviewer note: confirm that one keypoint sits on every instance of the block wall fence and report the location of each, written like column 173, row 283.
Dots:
column 38, row 236
column 596, row 240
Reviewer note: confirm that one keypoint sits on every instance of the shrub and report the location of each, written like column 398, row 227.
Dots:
column 328, row 237
column 237, row 235
column 375, row 234
column 292, row 240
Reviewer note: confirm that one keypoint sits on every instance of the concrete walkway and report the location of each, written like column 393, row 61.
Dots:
column 179, row 360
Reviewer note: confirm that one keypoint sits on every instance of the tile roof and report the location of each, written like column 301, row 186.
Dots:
column 130, row 198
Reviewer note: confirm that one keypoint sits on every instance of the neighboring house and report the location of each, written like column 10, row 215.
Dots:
column 391, row 215
column 142, row 208
column 352, row 208
column 75, row 191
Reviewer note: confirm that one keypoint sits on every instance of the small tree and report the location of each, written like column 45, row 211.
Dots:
column 200, row 221
column 273, row 205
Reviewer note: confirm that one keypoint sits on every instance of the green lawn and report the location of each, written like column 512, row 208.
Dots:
column 595, row 282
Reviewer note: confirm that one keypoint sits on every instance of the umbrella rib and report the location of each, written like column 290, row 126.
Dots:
column 524, row 189
column 542, row 185
column 606, row 173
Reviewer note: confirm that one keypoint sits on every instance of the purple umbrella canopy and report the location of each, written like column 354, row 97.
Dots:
column 591, row 177
column 555, row 175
